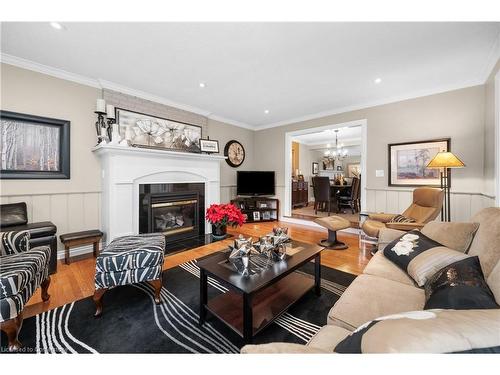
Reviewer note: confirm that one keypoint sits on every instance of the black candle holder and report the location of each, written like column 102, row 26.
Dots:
column 109, row 128
column 99, row 124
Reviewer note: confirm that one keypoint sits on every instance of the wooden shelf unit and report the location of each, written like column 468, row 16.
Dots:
column 253, row 204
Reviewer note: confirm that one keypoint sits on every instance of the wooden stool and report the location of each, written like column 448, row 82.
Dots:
column 80, row 238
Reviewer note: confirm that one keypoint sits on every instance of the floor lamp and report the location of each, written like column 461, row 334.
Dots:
column 445, row 161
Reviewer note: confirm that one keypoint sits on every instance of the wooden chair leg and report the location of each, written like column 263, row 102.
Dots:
column 96, row 249
column 98, row 294
column 45, row 289
column 11, row 328
column 157, row 285
column 67, row 259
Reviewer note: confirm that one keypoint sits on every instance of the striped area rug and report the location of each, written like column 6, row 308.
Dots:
column 133, row 323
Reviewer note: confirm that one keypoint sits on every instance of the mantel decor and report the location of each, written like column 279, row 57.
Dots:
column 408, row 162
column 34, row 147
column 141, row 129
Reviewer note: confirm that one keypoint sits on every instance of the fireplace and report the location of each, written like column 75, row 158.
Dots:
column 176, row 210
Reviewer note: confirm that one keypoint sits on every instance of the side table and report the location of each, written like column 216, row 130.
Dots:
column 80, row 238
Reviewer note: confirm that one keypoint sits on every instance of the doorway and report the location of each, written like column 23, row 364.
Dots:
column 337, row 151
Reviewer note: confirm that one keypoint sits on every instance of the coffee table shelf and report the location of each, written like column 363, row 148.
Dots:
column 266, row 305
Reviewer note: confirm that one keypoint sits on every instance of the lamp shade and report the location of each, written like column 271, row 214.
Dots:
column 445, row 160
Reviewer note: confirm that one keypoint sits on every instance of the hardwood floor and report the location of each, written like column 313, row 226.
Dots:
column 76, row 281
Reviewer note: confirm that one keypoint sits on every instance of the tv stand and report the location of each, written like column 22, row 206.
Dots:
column 258, row 209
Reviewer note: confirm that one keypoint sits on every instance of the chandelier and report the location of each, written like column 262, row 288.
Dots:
column 340, row 153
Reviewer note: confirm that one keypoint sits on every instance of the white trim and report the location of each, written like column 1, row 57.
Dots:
column 375, row 103
column 287, row 210
column 497, row 139
column 48, row 70
column 492, row 59
column 100, row 83
column 239, row 124
column 103, row 84
column 80, row 250
column 151, row 97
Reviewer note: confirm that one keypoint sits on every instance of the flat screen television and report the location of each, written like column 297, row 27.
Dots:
column 255, row 183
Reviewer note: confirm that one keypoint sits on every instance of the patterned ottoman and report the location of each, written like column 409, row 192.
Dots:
column 129, row 260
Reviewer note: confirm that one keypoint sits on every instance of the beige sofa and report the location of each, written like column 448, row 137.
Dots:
column 384, row 289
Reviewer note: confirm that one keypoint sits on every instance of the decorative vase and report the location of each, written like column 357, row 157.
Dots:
column 219, row 231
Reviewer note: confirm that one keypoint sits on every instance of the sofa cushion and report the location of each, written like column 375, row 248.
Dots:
column 280, row 348
column 459, row 286
column 487, row 239
column 328, row 337
column 13, row 242
column 17, row 270
column 432, row 331
column 456, row 236
column 380, row 266
column 369, row 297
column 493, row 282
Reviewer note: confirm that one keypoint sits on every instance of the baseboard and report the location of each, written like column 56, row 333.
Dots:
column 76, row 251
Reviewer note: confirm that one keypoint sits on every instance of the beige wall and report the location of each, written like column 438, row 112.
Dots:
column 456, row 114
column 489, row 132
column 224, row 133
column 29, row 92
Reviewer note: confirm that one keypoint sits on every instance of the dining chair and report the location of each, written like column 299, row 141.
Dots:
column 351, row 199
column 322, row 195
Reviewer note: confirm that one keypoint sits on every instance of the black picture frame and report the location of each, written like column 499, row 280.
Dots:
column 392, row 147
column 315, row 168
column 205, row 142
column 64, row 154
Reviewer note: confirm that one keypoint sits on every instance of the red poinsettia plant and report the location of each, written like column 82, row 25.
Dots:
column 225, row 214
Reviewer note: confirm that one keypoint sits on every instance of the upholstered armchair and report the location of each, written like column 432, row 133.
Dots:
column 22, row 271
column 426, row 206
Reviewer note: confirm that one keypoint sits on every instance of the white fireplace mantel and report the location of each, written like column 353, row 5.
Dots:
column 125, row 168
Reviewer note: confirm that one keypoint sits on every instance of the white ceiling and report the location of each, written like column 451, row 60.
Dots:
column 295, row 70
column 346, row 135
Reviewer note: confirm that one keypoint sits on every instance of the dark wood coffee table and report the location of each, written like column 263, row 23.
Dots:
column 253, row 302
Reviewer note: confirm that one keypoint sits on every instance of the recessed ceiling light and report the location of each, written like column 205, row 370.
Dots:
column 202, row 85
column 377, row 80
column 266, row 111
column 56, row 25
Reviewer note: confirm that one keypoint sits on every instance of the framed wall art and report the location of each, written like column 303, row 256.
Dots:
column 315, row 168
column 353, row 170
column 143, row 130
column 209, row 146
column 408, row 161
column 34, row 147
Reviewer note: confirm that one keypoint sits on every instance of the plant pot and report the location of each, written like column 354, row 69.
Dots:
column 219, row 231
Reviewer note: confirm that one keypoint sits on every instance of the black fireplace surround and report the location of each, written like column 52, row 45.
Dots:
column 177, row 210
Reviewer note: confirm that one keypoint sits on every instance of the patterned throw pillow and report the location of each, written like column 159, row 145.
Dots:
column 431, row 331
column 459, row 286
column 402, row 219
column 14, row 242
column 419, row 256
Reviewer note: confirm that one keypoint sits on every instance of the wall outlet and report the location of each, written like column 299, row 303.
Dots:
column 379, row 173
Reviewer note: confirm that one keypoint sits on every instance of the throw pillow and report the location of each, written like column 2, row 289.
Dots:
column 14, row 242
column 459, row 286
column 402, row 219
column 431, row 331
column 419, row 256
column 456, row 236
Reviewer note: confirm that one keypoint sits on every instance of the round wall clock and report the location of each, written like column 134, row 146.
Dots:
column 235, row 153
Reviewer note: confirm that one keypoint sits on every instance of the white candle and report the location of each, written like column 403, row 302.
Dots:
column 101, row 105
column 110, row 111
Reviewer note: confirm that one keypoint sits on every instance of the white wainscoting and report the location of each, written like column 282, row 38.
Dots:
column 70, row 212
column 463, row 205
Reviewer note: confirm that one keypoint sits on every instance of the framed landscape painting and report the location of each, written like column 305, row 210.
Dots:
column 143, row 130
column 408, row 161
column 34, row 147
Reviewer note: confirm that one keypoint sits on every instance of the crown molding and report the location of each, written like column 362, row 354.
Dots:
column 104, row 84
column 239, row 124
column 48, row 70
column 389, row 100
column 492, row 60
